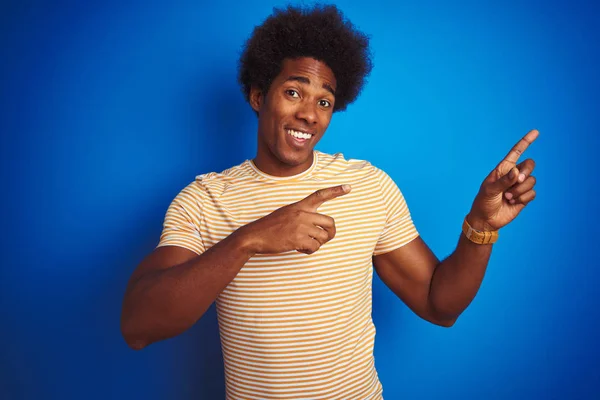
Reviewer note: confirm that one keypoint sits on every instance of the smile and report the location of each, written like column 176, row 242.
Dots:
column 299, row 134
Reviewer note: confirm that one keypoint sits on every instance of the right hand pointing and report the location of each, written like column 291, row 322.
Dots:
column 296, row 226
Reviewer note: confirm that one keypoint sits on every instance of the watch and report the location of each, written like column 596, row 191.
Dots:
column 479, row 237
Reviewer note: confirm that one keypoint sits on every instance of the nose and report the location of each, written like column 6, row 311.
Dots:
column 307, row 111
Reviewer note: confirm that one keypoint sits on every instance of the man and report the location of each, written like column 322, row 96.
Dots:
column 285, row 243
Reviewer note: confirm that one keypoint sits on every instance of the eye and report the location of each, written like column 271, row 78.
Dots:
column 293, row 93
column 324, row 103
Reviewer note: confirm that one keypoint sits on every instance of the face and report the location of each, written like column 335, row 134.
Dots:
column 293, row 115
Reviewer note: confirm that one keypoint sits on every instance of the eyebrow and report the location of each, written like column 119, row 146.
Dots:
column 304, row 79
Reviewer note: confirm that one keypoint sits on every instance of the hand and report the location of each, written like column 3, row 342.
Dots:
column 506, row 190
column 297, row 226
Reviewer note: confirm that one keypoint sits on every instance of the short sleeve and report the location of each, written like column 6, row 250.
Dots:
column 399, row 227
column 181, row 225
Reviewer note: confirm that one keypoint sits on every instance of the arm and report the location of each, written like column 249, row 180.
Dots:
column 436, row 291
column 173, row 287
column 440, row 291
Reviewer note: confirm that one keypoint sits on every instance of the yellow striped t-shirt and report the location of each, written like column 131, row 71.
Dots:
column 297, row 326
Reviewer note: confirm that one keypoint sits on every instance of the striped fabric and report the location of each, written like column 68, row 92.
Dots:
column 297, row 326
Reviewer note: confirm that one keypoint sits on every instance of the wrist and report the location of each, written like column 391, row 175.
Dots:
column 481, row 233
column 246, row 241
column 479, row 224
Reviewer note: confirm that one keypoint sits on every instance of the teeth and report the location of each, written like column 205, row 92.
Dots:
column 299, row 135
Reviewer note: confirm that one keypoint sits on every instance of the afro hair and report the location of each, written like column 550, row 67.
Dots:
column 320, row 32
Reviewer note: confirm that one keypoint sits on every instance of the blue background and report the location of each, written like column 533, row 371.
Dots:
column 107, row 110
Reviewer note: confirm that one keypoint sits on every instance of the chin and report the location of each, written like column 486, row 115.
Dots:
column 292, row 158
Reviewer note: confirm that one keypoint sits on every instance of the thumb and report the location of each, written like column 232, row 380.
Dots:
column 316, row 199
column 505, row 182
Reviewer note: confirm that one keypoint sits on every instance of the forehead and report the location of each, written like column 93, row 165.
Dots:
column 316, row 71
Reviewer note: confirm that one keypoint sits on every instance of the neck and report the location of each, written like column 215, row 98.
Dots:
column 271, row 165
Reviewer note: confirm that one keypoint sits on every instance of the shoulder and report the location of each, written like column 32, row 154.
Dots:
column 213, row 184
column 338, row 164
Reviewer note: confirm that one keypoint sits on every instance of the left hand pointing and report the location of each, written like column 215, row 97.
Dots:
column 506, row 190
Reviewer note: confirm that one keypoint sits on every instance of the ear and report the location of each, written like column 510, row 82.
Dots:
column 256, row 98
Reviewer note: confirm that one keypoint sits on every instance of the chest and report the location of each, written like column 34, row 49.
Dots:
column 359, row 215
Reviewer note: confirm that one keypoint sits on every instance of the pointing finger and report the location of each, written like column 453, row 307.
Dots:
column 521, row 146
column 319, row 197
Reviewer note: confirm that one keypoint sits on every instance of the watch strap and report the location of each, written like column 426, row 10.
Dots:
column 479, row 237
